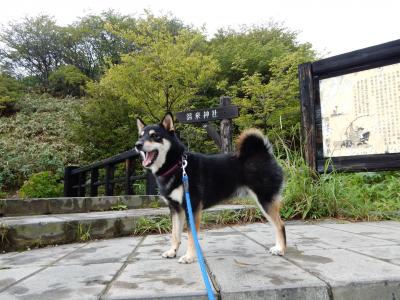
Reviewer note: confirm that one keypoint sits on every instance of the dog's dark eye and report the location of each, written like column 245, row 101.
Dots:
column 154, row 136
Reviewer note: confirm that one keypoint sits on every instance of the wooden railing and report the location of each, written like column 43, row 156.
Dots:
column 84, row 181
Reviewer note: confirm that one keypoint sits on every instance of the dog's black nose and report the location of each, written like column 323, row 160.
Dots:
column 139, row 145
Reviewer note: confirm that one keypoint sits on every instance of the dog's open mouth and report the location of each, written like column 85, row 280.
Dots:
column 149, row 158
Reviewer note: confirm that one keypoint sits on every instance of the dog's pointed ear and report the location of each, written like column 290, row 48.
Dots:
column 140, row 125
column 168, row 122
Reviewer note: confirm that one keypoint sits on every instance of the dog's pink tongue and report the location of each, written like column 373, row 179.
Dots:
column 148, row 158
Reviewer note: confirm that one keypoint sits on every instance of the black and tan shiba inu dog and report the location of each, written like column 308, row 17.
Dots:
column 252, row 169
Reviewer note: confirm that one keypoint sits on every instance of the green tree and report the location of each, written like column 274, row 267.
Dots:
column 91, row 47
column 68, row 80
column 250, row 50
column 169, row 69
column 34, row 46
column 275, row 103
column 258, row 68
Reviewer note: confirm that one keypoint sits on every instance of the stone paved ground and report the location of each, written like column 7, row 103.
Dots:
column 325, row 260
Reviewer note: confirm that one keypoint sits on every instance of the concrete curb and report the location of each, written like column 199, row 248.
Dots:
column 24, row 232
column 44, row 206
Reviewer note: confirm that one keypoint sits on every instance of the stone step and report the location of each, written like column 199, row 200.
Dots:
column 44, row 206
column 25, row 232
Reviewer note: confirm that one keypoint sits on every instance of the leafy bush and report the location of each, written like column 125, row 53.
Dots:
column 36, row 139
column 42, row 185
column 104, row 127
column 67, row 81
column 10, row 91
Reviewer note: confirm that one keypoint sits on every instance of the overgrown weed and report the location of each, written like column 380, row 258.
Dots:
column 356, row 196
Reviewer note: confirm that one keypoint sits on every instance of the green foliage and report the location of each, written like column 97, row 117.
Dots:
column 42, row 185
column 104, row 127
column 359, row 196
column 250, row 50
column 36, row 139
column 91, row 47
column 196, row 139
column 34, row 45
column 67, row 81
column 274, row 103
column 226, row 217
column 165, row 74
column 83, row 232
column 10, row 91
column 152, row 225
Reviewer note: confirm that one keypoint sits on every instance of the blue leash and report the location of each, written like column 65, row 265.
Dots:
column 199, row 253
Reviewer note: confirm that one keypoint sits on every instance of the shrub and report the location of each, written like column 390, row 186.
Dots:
column 104, row 127
column 42, row 185
column 67, row 81
column 10, row 91
column 36, row 139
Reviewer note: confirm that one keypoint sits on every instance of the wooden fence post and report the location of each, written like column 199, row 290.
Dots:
column 129, row 172
column 109, row 184
column 94, row 178
column 150, row 184
column 69, row 181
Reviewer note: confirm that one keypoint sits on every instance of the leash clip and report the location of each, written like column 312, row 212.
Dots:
column 184, row 165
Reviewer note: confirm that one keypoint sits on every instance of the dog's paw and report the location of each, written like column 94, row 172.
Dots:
column 171, row 253
column 276, row 251
column 186, row 259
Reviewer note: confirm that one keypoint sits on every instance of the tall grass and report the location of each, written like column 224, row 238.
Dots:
column 358, row 196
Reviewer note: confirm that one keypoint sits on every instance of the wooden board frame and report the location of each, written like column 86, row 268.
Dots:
column 309, row 76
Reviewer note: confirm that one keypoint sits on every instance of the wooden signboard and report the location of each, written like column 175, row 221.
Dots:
column 225, row 112
column 208, row 114
column 350, row 107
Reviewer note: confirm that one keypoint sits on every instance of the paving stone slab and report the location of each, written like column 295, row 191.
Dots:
column 387, row 253
column 98, row 252
column 160, row 279
column 295, row 236
column 9, row 276
column 214, row 242
column 391, row 224
column 37, row 257
column 264, row 277
column 344, row 270
column 64, row 282
column 383, row 233
column 317, row 237
column 226, row 241
column 154, row 245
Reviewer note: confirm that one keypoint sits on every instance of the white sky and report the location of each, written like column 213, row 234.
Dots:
column 333, row 27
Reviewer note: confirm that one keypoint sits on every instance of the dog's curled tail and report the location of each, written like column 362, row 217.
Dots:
column 251, row 142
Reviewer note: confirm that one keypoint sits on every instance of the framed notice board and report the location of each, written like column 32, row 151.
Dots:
column 350, row 106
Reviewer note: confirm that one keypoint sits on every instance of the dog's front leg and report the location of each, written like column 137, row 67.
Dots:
column 178, row 219
column 190, row 254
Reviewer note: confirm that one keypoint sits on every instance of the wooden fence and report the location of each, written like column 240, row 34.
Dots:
column 84, row 181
